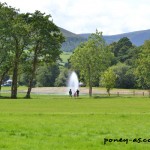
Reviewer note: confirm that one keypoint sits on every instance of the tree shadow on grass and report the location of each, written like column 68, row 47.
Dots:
column 4, row 97
column 8, row 97
column 104, row 96
column 111, row 97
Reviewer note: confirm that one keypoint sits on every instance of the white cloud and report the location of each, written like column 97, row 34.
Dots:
column 84, row 16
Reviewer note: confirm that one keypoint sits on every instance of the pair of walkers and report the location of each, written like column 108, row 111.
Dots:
column 76, row 94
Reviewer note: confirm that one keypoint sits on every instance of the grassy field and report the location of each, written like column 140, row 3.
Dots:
column 65, row 56
column 61, row 123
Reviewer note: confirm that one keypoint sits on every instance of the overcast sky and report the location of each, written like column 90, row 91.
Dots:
column 85, row 16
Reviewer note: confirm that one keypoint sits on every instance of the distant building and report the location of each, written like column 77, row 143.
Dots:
column 7, row 83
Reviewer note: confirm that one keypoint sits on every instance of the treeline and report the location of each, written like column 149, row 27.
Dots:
column 129, row 63
column 28, row 41
column 120, row 64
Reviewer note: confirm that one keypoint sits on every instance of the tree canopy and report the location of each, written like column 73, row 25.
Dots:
column 91, row 59
column 108, row 79
column 143, row 66
column 28, row 39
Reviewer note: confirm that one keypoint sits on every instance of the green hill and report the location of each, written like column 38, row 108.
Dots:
column 67, row 33
column 72, row 40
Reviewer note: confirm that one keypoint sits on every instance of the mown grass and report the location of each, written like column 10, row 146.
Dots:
column 63, row 123
column 65, row 56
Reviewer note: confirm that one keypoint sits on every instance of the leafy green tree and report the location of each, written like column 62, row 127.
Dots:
column 125, row 76
column 14, row 32
column 91, row 59
column 20, row 33
column 143, row 66
column 132, row 55
column 61, row 80
column 112, row 47
column 45, row 42
column 108, row 80
column 46, row 75
column 5, row 66
column 121, row 49
column 5, row 60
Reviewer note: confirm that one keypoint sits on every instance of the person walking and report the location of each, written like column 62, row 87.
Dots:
column 77, row 93
column 70, row 93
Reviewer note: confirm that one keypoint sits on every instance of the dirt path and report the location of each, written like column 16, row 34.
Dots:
column 84, row 90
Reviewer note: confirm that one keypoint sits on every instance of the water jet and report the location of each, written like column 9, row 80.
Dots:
column 73, row 82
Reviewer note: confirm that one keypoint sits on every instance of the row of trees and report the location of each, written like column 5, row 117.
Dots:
column 30, row 47
column 120, row 64
column 27, row 41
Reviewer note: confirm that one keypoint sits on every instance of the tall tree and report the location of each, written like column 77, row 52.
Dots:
column 91, row 59
column 121, row 49
column 143, row 66
column 15, row 32
column 46, row 40
column 20, row 36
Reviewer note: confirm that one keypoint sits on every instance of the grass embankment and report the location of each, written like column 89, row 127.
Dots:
column 60, row 123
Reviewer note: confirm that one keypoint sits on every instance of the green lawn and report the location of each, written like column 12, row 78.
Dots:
column 65, row 56
column 63, row 123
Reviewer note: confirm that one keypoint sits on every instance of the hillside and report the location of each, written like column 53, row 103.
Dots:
column 73, row 40
column 67, row 33
column 136, row 37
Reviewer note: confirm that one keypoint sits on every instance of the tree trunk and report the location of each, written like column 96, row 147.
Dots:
column 29, row 88
column 15, row 70
column 0, row 86
column 90, row 91
column 30, row 85
column 90, row 84
column 108, row 91
column 14, row 81
column 32, row 73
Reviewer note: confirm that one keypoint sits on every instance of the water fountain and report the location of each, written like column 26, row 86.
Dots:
column 73, row 82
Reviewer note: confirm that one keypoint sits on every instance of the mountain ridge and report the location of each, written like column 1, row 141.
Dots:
column 73, row 40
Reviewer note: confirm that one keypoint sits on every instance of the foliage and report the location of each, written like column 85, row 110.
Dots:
column 61, row 80
column 45, row 41
column 143, row 66
column 14, row 32
column 91, row 58
column 125, row 76
column 5, row 61
column 46, row 75
column 28, row 39
column 121, row 49
column 108, row 79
